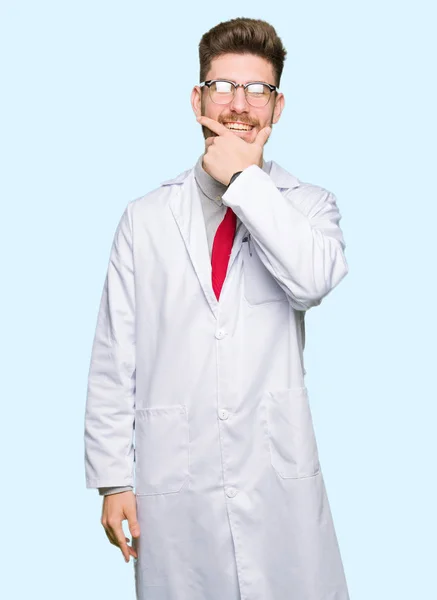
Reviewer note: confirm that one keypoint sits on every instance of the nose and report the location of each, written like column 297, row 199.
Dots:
column 239, row 103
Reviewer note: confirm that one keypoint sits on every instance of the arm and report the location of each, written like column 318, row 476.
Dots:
column 110, row 405
column 296, row 234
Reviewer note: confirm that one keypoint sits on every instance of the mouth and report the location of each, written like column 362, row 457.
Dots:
column 238, row 127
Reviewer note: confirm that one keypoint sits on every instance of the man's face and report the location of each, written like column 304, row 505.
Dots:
column 239, row 68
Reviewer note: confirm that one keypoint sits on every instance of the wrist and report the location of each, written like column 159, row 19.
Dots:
column 234, row 177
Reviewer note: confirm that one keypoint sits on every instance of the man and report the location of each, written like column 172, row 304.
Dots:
column 196, row 382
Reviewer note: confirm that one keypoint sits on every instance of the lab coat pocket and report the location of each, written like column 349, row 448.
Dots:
column 292, row 442
column 161, row 449
column 260, row 286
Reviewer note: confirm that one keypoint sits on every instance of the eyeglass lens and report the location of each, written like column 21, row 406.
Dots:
column 222, row 92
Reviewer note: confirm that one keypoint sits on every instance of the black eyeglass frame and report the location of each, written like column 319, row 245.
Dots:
column 273, row 88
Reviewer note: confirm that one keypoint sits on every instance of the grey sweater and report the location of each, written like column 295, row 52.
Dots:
column 210, row 192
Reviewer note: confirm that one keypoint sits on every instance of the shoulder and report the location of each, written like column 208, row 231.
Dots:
column 160, row 195
column 288, row 181
column 312, row 200
column 296, row 188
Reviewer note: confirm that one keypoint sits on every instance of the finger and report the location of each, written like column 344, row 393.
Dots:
column 131, row 549
column 209, row 141
column 117, row 533
column 115, row 542
column 263, row 136
column 110, row 537
column 104, row 522
column 214, row 126
column 134, row 527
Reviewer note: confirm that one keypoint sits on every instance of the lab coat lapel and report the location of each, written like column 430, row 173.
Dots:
column 187, row 211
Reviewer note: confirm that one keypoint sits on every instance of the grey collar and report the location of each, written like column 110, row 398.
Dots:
column 212, row 188
column 283, row 179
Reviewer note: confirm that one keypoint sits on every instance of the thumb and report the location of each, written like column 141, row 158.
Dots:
column 263, row 136
column 134, row 526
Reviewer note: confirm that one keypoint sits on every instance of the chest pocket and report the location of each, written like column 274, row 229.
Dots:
column 260, row 286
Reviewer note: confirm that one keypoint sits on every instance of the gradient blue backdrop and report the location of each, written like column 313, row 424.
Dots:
column 95, row 111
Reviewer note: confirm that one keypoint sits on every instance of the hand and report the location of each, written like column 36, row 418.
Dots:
column 226, row 153
column 116, row 508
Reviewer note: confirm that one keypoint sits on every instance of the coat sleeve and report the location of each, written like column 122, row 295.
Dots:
column 296, row 234
column 110, row 403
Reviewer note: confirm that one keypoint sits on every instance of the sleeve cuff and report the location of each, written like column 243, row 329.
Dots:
column 106, row 491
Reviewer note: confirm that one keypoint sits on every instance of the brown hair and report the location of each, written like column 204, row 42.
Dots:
column 241, row 36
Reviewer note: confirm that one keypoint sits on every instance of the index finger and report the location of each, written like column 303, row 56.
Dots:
column 214, row 126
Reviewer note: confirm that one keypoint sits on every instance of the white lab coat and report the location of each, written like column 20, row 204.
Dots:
column 230, row 495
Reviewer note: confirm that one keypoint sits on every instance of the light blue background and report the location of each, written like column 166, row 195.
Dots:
column 83, row 132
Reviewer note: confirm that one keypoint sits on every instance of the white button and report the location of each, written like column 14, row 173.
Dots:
column 223, row 414
column 231, row 492
column 220, row 334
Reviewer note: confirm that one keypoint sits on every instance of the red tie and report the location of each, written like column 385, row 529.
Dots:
column 221, row 250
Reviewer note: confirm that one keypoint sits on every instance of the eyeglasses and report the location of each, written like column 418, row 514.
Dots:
column 222, row 91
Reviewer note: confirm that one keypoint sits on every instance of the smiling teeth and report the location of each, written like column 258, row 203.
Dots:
column 238, row 127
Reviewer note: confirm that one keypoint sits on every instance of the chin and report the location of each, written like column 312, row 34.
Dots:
column 248, row 136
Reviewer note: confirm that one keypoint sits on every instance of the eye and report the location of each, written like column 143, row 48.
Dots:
column 222, row 87
column 257, row 89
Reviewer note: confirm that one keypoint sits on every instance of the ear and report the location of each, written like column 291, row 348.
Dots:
column 279, row 106
column 196, row 100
